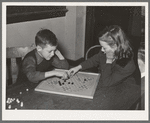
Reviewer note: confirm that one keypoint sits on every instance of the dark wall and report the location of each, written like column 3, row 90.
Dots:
column 106, row 16
column 98, row 17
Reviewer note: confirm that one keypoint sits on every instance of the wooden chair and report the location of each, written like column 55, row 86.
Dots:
column 12, row 53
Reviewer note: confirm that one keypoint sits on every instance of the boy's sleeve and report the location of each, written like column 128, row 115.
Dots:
column 118, row 74
column 61, row 64
column 29, row 69
column 94, row 61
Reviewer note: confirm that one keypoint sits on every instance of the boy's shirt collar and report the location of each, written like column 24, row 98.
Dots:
column 38, row 57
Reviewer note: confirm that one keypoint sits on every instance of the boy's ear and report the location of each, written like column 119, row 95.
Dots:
column 39, row 48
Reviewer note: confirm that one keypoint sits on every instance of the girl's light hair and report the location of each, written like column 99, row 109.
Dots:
column 115, row 35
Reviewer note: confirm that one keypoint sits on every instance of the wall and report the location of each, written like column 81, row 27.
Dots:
column 136, row 22
column 80, row 31
column 70, row 31
column 75, row 32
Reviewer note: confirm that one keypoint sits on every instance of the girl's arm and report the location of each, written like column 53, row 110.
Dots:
column 94, row 61
column 89, row 63
column 112, row 75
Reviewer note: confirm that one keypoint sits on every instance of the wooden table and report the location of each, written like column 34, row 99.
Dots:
column 120, row 97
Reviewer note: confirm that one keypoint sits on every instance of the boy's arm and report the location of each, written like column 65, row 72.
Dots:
column 29, row 69
column 59, row 61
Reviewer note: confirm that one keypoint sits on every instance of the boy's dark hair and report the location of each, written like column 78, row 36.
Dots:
column 45, row 36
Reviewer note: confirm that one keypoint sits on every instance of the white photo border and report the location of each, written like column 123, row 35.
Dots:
column 80, row 115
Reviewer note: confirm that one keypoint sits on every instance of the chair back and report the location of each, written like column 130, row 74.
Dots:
column 93, row 48
column 90, row 52
column 12, row 53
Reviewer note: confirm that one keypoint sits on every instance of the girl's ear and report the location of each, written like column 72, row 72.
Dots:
column 39, row 48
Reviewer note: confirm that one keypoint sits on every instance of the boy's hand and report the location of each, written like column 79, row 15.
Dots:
column 60, row 56
column 62, row 75
column 58, row 73
column 65, row 76
column 74, row 70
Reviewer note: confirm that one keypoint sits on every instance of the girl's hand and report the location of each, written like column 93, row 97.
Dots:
column 110, row 57
column 74, row 70
column 60, row 56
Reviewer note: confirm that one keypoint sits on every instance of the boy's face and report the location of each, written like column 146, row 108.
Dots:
column 47, row 52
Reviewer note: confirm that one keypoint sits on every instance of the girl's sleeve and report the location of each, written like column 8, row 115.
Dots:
column 110, row 77
column 94, row 61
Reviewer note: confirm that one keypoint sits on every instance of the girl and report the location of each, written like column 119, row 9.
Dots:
column 114, row 61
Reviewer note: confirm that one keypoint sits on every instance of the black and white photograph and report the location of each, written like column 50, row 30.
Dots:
column 75, row 61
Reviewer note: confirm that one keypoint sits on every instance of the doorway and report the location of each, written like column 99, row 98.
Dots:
column 98, row 17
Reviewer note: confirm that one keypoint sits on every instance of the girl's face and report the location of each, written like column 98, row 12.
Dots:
column 106, row 48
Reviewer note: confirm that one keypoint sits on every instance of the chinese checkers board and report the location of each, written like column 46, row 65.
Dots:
column 82, row 84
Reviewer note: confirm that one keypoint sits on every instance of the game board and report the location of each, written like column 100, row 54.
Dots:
column 82, row 84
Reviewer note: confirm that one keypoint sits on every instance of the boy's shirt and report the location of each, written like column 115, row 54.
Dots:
column 34, row 66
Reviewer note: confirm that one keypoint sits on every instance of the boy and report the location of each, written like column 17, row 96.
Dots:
column 38, row 63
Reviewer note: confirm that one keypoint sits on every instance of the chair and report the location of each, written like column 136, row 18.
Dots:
column 93, row 48
column 12, row 54
column 90, row 52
